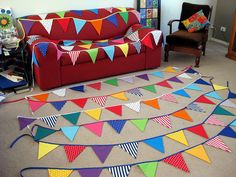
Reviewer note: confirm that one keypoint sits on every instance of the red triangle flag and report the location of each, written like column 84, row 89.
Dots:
column 203, row 99
column 115, row 109
column 96, row 86
column 177, row 161
column 35, row 105
column 147, row 41
column 164, row 84
column 80, row 102
column 199, row 130
column 64, row 22
column 72, row 152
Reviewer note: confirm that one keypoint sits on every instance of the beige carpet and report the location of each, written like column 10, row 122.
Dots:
column 24, row 154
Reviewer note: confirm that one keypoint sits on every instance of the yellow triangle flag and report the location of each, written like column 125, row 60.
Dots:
column 178, row 136
column 94, row 113
column 122, row 9
column 170, row 69
column 86, row 46
column 120, row 95
column 124, row 48
column 104, row 40
column 199, row 152
column 59, row 173
column 45, row 148
column 218, row 87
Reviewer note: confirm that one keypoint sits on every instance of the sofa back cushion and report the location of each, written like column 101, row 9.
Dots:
column 95, row 24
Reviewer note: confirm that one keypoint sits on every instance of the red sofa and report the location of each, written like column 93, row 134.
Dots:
column 70, row 47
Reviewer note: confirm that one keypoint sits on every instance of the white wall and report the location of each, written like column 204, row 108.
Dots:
column 170, row 9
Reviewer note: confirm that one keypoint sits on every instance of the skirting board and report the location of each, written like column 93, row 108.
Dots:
column 219, row 41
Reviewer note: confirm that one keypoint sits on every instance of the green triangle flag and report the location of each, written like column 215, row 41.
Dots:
column 86, row 42
column 140, row 123
column 149, row 169
column 72, row 118
column 61, row 14
column 93, row 54
column 221, row 111
column 150, row 88
column 43, row 132
column 113, row 82
column 125, row 16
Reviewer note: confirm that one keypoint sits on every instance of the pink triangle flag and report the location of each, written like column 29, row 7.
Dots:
column 218, row 143
column 95, row 128
column 73, row 56
column 119, row 41
column 101, row 100
column 35, row 105
column 169, row 97
column 212, row 120
column 163, row 120
column 59, row 53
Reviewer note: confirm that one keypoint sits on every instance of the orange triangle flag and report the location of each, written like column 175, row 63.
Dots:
column 153, row 103
column 86, row 46
column 120, row 96
column 199, row 152
column 182, row 114
column 41, row 97
column 97, row 24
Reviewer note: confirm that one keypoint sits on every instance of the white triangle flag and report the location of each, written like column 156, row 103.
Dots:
column 60, row 92
column 229, row 104
column 47, row 24
column 42, row 16
column 184, row 75
column 68, row 48
column 156, row 35
column 134, row 106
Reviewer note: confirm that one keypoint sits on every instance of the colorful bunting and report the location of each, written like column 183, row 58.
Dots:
column 64, row 23
column 59, row 173
column 43, row 132
column 182, row 114
column 113, row 20
column 80, row 102
column 61, row 14
column 149, row 168
column 198, row 130
column 203, row 99
column 128, row 79
column 231, row 95
column 229, row 104
column 140, row 123
column 201, row 81
column 191, row 71
column 122, row 9
column 218, row 143
column 67, row 48
column 34, row 59
column 177, row 161
column 119, row 41
column 193, row 87
column 94, row 11
column 137, row 46
column 164, row 84
column 182, row 92
column 169, row 97
column 199, row 152
column 131, row 148
column 143, row 76
column 125, row 16
column 94, row 113
column 96, row 86
column 219, row 87
column 58, row 105
column 24, row 122
column 101, row 100
column 74, row 56
column 60, row 92
column 32, row 39
column 170, row 69
column 70, row 131
column 27, row 24
column 43, row 47
column 50, row 120
column 229, row 132
column 41, row 97
column 117, row 125
column 124, row 48
column 120, row 171
column 156, row 35
column 153, row 103
column 158, row 74
column 213, row 95
column 233, row 123
column 194, row 107
column 72, row 118
column 134, row 106
column 45, row 148
column 156, row 143
column 109, row 9
column 185, row 76
column 133, row 36
column 163, row 120
column 102, row 152
column 93, row 54
column 110, row 51
column 79, row 88
column 175, row 79
column 90, row 172
column 97, row 24
column 35, row 105
column 221, row 111
column 115, row 109
column 78, row 24
column 212, row 120
column 47, row 24
column 72, row 151
column 179, row 137
column 86, row 46
column 95, row 128
column 43, row 16
column 135, row 91
column 150, row 88
column 113, row 82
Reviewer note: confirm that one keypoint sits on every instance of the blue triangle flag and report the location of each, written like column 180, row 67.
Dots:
column 201, row 81
column 229, row 132
column 79, row 88
column 158, row 74
column 110, row 50
column 68, row 42
column 78, row 12
column 117, row 125
column 94, row 11
column 193, row 87
column 156, row 143
column 192, row 71
column 213, row 95
column 34, row 59
column 58, row 104
column 70, row 132
column 102, row 44
column 78, row 24
column 137, row 46
column 182, row 92
column 113, row 20
column 233, row 123
column 231, row 95
column 43, row 47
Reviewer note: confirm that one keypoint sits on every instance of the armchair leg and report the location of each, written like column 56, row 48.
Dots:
column 204, row 49
column 166, row 53
column 197, row 61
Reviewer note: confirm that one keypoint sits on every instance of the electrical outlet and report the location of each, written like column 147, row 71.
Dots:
column 223, row 29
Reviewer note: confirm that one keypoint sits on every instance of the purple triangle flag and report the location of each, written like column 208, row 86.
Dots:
column 175, row 79
column 27, row 24
column 143, row 76
column 58, row 105
column 102, row 152
column 23, row 122
column 93, row 172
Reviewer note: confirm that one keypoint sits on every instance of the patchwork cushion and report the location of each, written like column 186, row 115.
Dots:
column 196, row 22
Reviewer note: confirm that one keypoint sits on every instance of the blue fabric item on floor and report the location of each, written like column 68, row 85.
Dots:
column 7, row 84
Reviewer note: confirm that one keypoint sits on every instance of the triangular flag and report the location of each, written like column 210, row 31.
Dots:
column 191, row 71
column 143, row 76
column 177, row 161
column 101, row 100
column 86, row 41
column 110, row 51
column 80, row 102
column 95, row 128
column 122, row 9
column 184, row 75
column 117, row 125
column 164, row 84
column 120, row 171
column 73, row 56
column 61, row 14
column 43, row 16
column 60, row 92
column 115, row 109
column 135, row 91
column 124, row 48
column 59, row 54
column 203, row 99
column 50, row 120
column 149, row 168
column 86, row 46
column 93, row 54
column 72, row 118
column 27, row 24
column 64, row 22
column 182, row 92
column 78, row 12
column 67, row 48
column 198, row 130
column 153, row 103
column 79, row 88
column 221, row 111
column 41, row 97
column 109, row 9
column 32, row 39
column 45, row 148
column 218, row 143
column 163, row 120
column 169, row 97
column 59, row 173
column 194, row 107
column 133, row 36
column 113, row 82
column 199, row 152
column 136, row 13
column 158, row 74
column 93, row 172
column 102, row 151
column 97, row 24
column 193, row 87
column 229, row 132
column 179, row 137
column 94, row 113
column 231, row 94
column 175, row 79
column 70, row 131
column 140, row 123
column 201, row 81
column 47, row 24
column 120, row 96
column 182, row 114
column 213, row 95
column 35, row 105
column 157, row 34
column 96, row 86
column 69, row 42
column 43, row 47
column 134, row 106
column 233, row 123
column 131, row 148
column 58, row 105
column 212, row 120
column 219, row 87
column 24, row 122
column 78, row 24
column 128, row 79
column 113, row 19
column 119, row 41
column 94, row 11
column 156, row 143
column 150, row 88
column 72, row 152
column 228, row 103
column 170, row 69
column 125, row 16
column 137, row 46
column 34, row 59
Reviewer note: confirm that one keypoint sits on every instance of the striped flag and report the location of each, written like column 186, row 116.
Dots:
column 101, row 100
column 50, row 120
column 131, row 148
column 73, row 56
column 133, row 36
column 120, row 171
column 169, row 97
column 135, row 91
column 163, row 120
column 212, row 120
column 218, row 143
